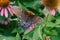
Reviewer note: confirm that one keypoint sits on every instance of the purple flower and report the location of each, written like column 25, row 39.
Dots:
column 51, row 5
column 5, row 7
column 5, row 22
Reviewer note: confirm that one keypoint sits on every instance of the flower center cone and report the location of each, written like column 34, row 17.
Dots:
column 4, row 3
column 51, row 3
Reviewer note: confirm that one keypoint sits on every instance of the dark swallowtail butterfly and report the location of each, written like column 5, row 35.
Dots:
column 26, row 19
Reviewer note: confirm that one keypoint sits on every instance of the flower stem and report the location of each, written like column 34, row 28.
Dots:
column 46, row 20
column 44, row 28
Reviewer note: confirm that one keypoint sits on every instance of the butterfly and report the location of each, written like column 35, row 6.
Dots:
column 26, row 18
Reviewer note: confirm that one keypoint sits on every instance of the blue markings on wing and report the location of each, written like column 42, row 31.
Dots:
column 27, row 25
column 23, row 23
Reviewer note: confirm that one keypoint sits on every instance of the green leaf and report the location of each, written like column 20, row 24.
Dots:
column 18, row 37
column 51, row 32
column 2, row 37
column 34, row 34
column 20, row 30
column 55, row 37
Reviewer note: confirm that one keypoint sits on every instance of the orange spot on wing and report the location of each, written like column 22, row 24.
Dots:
column 30, row 12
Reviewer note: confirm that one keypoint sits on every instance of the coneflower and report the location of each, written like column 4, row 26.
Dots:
column 5, row 7
column 51, row 5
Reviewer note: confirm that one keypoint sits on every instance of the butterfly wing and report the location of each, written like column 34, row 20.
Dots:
column 24, row 24
column 27, row 25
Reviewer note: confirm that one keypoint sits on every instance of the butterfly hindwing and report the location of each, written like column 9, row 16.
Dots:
column 23, row 23
column 27, row 25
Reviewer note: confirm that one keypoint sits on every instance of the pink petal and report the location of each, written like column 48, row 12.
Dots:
column 52, row 12
column 30, row 28
column 41, row 1
column 45, row 8
column 58, row 7
column 5, row 22
column 0, row 8
column 11, row 3
column 10, row 10
column 48, row 38
column 10, row 6
column 2, row 11
column 6, row 13
column 47, row 12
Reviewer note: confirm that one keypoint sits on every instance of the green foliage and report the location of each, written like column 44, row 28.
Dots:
column 50, row 26
column 33, row 34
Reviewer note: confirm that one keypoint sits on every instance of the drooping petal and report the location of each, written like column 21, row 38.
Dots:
column 47, row 13
column 11, row 3
column 41, row 1
column 10, row 10
column 10, row 6
column 45, row 8
column 6, row 13
column 5, row 22
column 58, row 7
column 2, row 11
column 52, row 12
column 0, row 8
